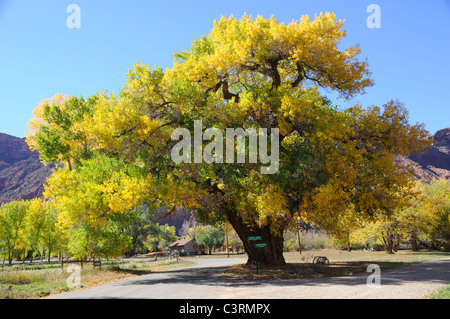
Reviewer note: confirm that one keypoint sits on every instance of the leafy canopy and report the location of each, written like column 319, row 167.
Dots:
column 249, row 73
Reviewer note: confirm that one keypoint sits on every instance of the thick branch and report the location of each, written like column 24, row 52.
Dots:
column 300, row 77
column 275, row 75
column 227, row 95
column 215, row 88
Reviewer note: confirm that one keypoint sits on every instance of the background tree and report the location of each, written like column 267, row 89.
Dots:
column 211, row 237
column 234, row 242
column 386, row 231
column 139, row 225
column 417, row 220
column 343, row 225
column 424, row 222
column 56, row 131
column 35, row 222
column 432, row 214
column 93, row 204
column 12, row 217
column 161, row 237
column 190, row 227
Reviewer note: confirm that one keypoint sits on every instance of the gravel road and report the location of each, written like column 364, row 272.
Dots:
column 203, row 281
column 195, row 282
column 408, row 282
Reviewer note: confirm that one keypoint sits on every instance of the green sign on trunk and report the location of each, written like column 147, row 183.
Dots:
column 260, row 245
column 255, row 238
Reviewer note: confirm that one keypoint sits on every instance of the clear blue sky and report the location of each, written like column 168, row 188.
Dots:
column 40, row 56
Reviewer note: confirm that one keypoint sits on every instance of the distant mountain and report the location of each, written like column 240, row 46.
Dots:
column 22, row 175
column 435, row 163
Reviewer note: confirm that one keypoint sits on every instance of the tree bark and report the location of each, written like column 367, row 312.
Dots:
column 272, row 255
column 9, row 255
column 388, row 241
column 414, row 244
column 49, row 249
column 349, row 249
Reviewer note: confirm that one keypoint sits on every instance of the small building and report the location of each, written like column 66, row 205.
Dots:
column 185, row 247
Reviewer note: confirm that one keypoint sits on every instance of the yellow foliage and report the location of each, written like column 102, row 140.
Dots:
column 35, row 124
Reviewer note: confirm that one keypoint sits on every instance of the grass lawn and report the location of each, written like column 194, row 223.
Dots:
column 342, row 263
column 441, row 293
column 31, row 281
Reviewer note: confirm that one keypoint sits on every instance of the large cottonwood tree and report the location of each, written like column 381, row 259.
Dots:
column 246, row 73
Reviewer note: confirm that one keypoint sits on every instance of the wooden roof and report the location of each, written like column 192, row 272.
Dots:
column 180, row 242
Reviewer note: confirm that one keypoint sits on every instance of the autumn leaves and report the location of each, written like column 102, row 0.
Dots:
column 253, row 74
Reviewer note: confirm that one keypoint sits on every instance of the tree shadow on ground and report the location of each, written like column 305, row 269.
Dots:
column 304, row 270
column 344, row 273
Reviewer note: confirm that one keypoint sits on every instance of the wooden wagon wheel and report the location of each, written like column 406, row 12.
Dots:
column 321, row 260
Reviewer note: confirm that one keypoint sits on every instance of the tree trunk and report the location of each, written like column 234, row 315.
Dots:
column 388, row 240
column 397, row 242
column 272, row 255
column 9, row 256
column 388, row 248
column 414, row 241
column 348, row 242
column 414, row 245
column 226, row 238
column 49, row 249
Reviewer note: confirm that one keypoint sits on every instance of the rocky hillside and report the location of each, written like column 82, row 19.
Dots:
column 436, row 162
column 21, row 173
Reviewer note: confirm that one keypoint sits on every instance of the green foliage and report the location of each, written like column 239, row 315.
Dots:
column 28, row 227
column 12, row 226
column 211, row 237
column 56, row 131
column 160, row 237
column 139, row 225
